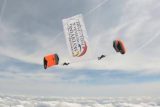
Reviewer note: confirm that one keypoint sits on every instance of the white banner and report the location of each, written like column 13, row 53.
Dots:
column 76, row 35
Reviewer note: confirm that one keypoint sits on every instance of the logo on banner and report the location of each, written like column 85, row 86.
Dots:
column 76, row 39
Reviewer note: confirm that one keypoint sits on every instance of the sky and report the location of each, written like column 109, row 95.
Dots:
column 31, row 29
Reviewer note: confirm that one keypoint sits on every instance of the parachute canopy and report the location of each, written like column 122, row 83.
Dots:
column 119, row 46
column 50, row 60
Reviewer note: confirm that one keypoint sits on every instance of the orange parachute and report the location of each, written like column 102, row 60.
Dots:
column 50, row 60
column 119, row 46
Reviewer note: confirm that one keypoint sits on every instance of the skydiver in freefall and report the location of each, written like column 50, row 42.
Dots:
column 66, row 63
column 102, row 56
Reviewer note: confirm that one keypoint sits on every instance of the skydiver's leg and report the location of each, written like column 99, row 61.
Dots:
column 98, row 58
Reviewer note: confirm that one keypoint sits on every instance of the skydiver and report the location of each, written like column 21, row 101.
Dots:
column 102, row 56
column 66, row 63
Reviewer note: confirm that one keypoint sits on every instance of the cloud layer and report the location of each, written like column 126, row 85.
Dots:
column 23, row 101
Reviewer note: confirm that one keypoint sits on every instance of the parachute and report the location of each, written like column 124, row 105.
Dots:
column 50, row 60
column 118, row 45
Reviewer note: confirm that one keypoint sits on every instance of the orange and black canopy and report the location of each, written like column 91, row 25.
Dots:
column 119, row 46
column 50, row 60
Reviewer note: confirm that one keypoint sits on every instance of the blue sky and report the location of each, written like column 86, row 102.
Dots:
column 30, row 29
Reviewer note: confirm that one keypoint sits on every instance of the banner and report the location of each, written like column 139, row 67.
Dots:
column 76, row 35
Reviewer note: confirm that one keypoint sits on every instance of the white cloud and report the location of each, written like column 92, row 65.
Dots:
column 22, row 101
